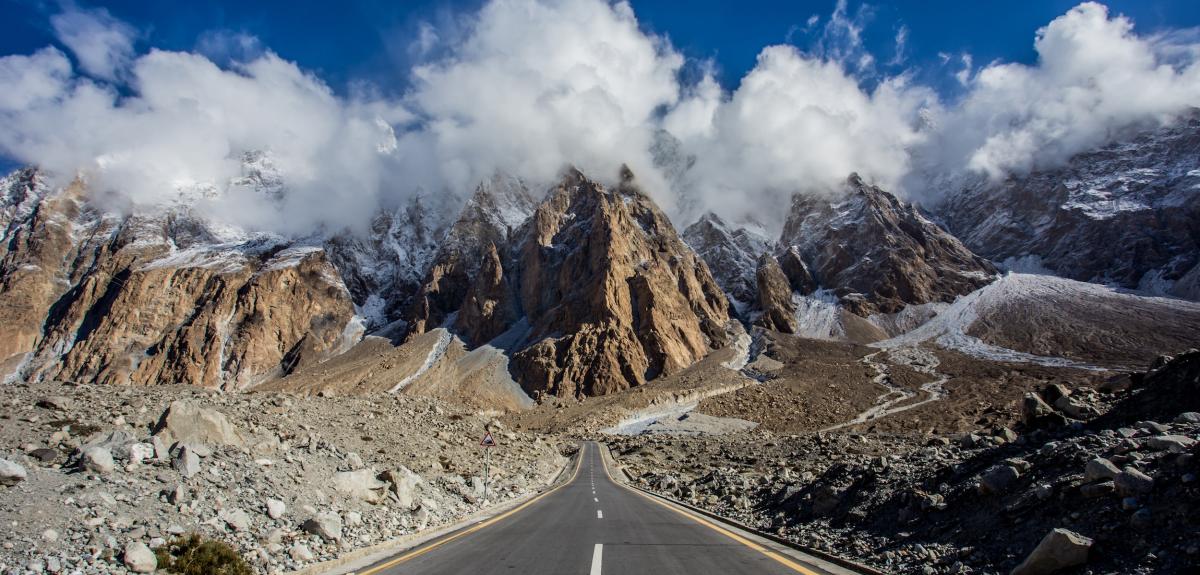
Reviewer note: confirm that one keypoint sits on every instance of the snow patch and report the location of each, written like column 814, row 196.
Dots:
column 436, row 353
column 818, row 315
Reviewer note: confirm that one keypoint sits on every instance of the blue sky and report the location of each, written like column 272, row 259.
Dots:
column 354, row 40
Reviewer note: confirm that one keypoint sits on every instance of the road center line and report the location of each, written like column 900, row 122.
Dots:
column 597, row 555
column 599, row 514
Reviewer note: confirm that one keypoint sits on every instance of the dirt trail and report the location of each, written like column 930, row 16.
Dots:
column 886, row 403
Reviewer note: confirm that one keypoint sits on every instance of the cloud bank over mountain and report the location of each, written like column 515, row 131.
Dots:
column 526, row 86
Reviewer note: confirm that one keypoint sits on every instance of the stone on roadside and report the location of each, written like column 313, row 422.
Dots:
column 139, row 558
column 1133, row 482
column 1171, row 443
column 186, row 462
column 998, row 479
column 300, row 552
column 96, row 459
column 1058, row 550
column 275, row 508
column 327, row 526
column 1100, row 468
column 11, row 473
column 187, row 422
column 403, row 484
column 360, row 484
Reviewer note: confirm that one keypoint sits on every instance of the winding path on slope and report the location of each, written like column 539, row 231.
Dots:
column 884, row 404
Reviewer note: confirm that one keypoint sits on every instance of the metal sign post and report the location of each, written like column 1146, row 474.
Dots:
column 488, row 443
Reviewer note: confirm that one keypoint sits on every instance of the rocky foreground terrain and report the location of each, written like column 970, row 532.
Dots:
column 95, row 476
column 1091, row 480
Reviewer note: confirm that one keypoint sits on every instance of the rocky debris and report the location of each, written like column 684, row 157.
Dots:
column 11, row 473
column 879, row 254
column 1058, row 550
column 360, row 484
column 774, row 297
column 255, row 495
column 932, row 503
column 55, row 403
column 139, row 558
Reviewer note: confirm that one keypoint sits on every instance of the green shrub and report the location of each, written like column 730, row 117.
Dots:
column 194, row 555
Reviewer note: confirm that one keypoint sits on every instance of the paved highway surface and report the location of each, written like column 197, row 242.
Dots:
column 592, row 525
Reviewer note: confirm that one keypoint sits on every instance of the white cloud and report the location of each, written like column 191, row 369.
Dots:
column 1094, row 79
column 102, row 44
column 527, row 86
column 798, row 124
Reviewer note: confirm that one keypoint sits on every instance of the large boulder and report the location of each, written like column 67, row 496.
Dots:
column 361, row 484
column 186, row 422
column 139, row 558
column 1058, row 550
column 403, row 485
column 327, row 526
column 96, row 459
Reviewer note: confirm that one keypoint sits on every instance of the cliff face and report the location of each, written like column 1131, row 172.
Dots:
column 593, row 293
column 612, row 296
column 879, row 254
column 95, row 297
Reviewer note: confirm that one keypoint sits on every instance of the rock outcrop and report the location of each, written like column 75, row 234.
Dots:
column 613, row 297
column 489, row 218
column 879, row 254
column 775, row 296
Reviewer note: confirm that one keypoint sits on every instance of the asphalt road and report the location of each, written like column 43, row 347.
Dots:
column 592, row 525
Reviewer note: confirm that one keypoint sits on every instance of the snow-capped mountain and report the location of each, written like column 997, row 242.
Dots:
column 1126, row 214
column 731, row 253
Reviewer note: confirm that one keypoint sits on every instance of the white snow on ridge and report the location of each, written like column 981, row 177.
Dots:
column 435, row 353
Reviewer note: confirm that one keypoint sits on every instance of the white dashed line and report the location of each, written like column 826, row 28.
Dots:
column 599, row 514
column 597, row 555
column 596, row 500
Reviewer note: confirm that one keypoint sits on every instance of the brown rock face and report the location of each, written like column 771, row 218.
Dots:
column 775, row 296
column 879, row 254
column 796, row 270
column 490, row 306
column 486, row 222
column 612, row 295
column 143, row 300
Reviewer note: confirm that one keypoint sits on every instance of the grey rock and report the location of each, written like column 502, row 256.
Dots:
column 97, row 459
column 1058, row 550
column 327, row 526
column 360, row 484
column 1172, row 443
column 275, row 508
column 139, row 558
column 403, row 484
column 1093, row 490
column 301, row 552
column 1142, row 519
column 56, row 403
column 187, row 422
column 998, row 479
column 1133, row 482
column 186, row 462
column 11, row 473
column 236, row 519
column 1188, row 417
column 1100, row 468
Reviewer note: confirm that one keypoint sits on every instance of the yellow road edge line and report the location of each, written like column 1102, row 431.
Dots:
column 698, row 519
column 477, row 527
